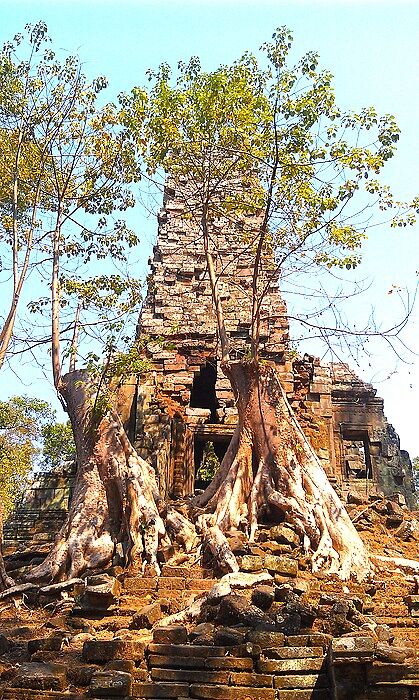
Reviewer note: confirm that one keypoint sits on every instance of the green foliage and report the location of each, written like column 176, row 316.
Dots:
column 58, row 444
column 209, row 464
column 29, row 437
column 72, row 165
column 264, row 136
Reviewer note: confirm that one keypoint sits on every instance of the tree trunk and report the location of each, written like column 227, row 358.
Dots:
column 272, row 469
column 115, row 499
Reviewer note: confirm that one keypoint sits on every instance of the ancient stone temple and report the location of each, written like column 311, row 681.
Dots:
column 186, row 403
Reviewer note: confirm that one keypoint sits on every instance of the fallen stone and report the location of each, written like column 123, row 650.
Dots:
column 126, row 665
column 252, row 563
column 397, row 655
column 229, row 636
column 236, row 609
column 40, row 676
column 171, row 634
column 263, row 597
column 293, row 652
column 6, row 645
column 100, row 650
column 110, row 684
column 101, row 592
column 147, row 616
column 53, row 643
column 281, row 565
column 266, row 640
column 80, row 675
column 239, row 579
column 284, row 535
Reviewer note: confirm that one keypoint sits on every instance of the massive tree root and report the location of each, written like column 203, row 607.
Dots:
column 116, row 497
column 270, row 466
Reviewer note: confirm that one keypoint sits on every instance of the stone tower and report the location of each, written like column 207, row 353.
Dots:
column 186, row 402
column 179, row 325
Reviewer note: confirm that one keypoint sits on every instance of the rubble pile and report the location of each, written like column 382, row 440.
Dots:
column 272, row 631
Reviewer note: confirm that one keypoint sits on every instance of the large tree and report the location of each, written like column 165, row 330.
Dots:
column 263, row 147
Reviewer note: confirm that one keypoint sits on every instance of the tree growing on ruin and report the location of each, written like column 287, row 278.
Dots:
column 266, row 142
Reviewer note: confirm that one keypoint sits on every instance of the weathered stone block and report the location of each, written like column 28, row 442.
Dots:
column 190, row 676
column 160, row 690
column 41, row 676
column 266, row 640
column 291, row 665
column 284, row 535
column 302, row 680
column 222, row 692
column 252, row 563
column 263, row 597
column 281, row 565
column 147, row 616
column 171, row 634
column 110, row 684
column 256, row 680
column 100, row 651
column 294, row 652
column 214, row 663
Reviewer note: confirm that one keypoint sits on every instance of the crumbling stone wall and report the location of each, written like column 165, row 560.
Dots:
column 335, row 408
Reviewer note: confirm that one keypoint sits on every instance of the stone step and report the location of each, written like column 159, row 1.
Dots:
column 161, row 690
column 302, row 681
column 140, row 584
column 195, row 662
column 291, row 665
column 293, row 652
column 195, row 651
column 190, row 676
column 101, row 650
column 220, row 692
column 28, row 694
column 189, row 572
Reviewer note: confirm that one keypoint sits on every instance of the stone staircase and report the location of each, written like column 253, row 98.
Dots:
column 102, row 637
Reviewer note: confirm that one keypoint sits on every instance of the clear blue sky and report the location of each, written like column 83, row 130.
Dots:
column 372, row 49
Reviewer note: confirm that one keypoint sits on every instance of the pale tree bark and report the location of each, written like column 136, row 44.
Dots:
column 116, row 497
column 287, row 481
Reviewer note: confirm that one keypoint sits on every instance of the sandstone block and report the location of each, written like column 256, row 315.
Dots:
column 291, row 665
column 160, row 690
column 284, row 535
column 256, row 680
column 110, row 684
column 171, row 634
column 40, row 676
column 252, row 563
column 147, row 616
column 190, row 676
column 229, row 636
column 293, row 652
column 100, row 651
column 266, row 640
column 209, row 663
column 223, row 692
column 301, row 680
column 281, row 565
column 263, row 597
column 321, row 694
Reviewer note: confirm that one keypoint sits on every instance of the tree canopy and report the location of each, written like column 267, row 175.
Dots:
column 30, row 438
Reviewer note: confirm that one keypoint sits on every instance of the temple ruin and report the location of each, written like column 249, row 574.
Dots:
column 185, row 402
